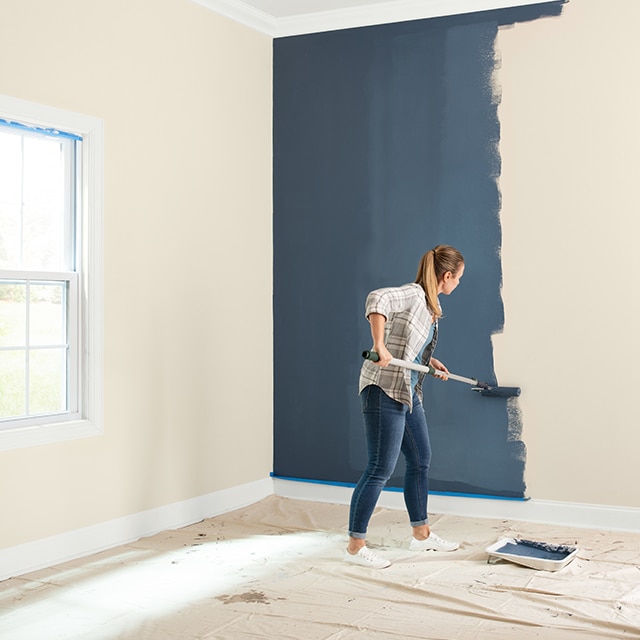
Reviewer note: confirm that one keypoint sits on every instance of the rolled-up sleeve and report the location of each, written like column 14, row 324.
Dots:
column 391, row 300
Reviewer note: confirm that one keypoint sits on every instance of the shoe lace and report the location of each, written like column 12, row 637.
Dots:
column 368, row 555
column 437, row 539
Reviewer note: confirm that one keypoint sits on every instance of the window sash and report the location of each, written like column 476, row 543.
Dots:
column 71, row 153
column 70, row 344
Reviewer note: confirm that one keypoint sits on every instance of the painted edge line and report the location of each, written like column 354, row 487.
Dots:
column 335, row 483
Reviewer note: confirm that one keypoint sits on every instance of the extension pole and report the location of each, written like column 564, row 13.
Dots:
column 484, row 389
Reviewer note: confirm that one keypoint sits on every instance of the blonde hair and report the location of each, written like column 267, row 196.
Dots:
column 433, row 265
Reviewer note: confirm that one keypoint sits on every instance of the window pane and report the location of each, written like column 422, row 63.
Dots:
column 13, row 315
column 10, row 170
column 47, row 321
column 42, row 244
column 47, row 381
column 43, row 172
column 32, row 202
column 12, row 383
column 10, row 235
column 43, row 204
column 10, row 198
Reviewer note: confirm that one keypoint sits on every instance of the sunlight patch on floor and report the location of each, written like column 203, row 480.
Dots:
column 118, row 589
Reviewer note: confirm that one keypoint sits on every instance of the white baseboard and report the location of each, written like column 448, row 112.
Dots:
column 47, row 552
column 554, row 513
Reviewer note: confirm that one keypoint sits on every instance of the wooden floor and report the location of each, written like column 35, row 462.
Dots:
column 274, row 570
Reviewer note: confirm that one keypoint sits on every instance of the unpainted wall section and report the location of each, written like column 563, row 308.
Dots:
column 571, row 272
column 185, row 96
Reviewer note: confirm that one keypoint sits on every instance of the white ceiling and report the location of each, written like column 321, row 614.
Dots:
column 280, row 18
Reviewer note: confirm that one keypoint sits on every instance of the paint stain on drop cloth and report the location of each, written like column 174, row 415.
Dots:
column 253, row 597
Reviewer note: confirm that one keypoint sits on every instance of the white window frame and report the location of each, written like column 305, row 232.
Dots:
column 88, row 421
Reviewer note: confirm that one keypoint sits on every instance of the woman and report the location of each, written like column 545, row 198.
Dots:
column 404, row 324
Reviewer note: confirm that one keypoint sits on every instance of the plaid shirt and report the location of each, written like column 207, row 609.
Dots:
column 405, row 333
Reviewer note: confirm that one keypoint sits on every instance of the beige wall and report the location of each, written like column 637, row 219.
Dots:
column 186, row 100
column 570, row 136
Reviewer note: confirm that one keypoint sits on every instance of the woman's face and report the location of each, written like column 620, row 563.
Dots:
column 450, row 281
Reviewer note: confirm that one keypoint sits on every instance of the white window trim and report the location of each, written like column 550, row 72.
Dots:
column 91, row 274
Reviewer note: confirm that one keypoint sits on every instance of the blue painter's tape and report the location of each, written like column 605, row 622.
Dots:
column 310, row 481
column 43, row 131
column 477, row 495
column 399, row 489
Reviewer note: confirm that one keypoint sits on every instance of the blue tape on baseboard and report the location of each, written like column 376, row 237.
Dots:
column 399, row 490
column 52, row 133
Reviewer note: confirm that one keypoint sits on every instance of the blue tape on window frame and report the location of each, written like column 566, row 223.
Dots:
column 53, row 133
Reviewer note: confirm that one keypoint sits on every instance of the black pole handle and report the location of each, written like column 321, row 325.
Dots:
column 370, row 355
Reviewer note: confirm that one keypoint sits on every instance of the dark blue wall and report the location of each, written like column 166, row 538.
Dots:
column 386, row 144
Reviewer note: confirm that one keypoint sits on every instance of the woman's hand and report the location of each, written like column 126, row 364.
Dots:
column 441, row 371
column 383, row 354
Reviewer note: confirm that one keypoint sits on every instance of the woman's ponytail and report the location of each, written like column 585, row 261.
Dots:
column 433, row 265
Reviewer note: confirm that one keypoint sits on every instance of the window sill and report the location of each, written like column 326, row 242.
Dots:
column 47, row 434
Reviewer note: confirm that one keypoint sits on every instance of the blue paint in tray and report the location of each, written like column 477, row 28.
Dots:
column 540, row 550
column 533, row 554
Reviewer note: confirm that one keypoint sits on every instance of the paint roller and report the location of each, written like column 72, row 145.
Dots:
column 482, row 387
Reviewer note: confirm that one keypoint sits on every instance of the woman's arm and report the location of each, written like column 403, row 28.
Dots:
column 377, row 322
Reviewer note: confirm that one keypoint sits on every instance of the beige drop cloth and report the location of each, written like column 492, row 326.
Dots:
column 274, row 570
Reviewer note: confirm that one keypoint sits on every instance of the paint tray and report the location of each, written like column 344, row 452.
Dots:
column 536, row 555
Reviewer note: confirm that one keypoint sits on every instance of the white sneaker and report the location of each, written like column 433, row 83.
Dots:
column 433, row 543
column 366, row 558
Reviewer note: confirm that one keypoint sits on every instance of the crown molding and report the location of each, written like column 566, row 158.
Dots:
column 350, row 17
column 243, row 13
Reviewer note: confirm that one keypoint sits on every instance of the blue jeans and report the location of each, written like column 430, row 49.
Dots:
column 390, row 428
